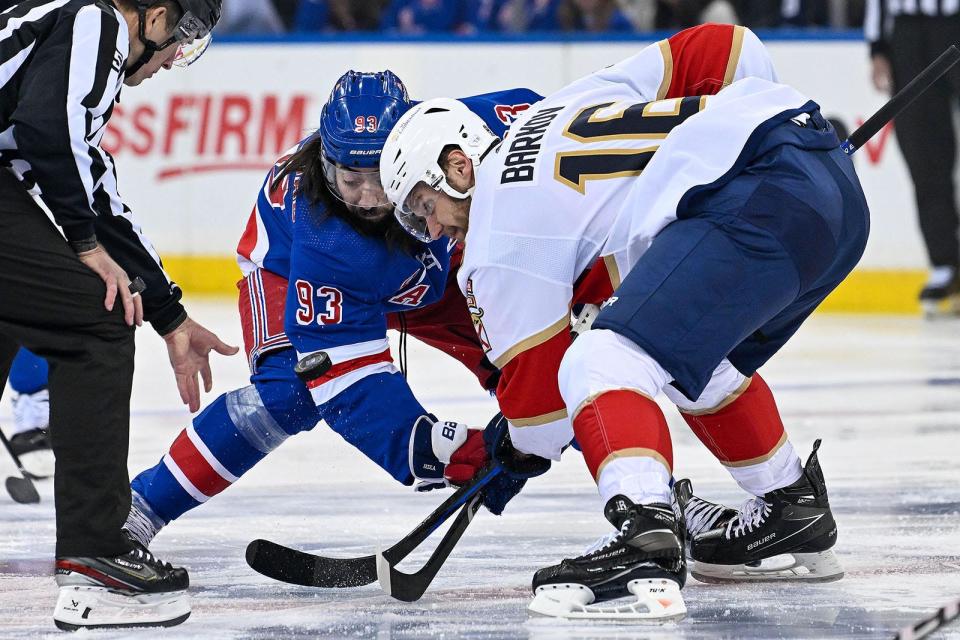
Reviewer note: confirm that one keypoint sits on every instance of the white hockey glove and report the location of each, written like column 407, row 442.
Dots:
column 584, row 320
column 444, row 453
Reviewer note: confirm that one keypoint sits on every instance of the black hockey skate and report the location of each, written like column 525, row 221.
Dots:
column 130, row 590
column 644, row 558
column 698, row 514
column 784, row 535
column 940, row 296
column 30, row 441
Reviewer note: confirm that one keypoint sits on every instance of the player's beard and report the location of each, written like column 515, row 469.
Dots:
column 372, row 225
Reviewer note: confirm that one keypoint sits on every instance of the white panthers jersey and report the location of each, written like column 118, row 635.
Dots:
column 579, row 179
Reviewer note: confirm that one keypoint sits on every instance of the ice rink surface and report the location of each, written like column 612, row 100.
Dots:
column 882, row 392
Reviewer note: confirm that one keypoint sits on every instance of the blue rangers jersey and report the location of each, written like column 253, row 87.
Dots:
column 266, row 241
column 342, row 284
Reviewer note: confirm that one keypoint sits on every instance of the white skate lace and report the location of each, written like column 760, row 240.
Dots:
column 603, row 542
column 752, row 514
column 702, row 515
column 139, row 525
column 607, row 539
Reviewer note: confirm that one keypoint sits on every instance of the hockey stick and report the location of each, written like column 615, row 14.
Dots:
column 941, row 618
column 20, row 489
column 899, row 102
column 309, row 570
column 409, row 587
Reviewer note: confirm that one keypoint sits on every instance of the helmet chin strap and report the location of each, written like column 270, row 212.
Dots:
column 453, row 193
column 460, row 195
column 150, row 47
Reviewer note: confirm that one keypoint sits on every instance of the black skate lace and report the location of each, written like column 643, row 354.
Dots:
column 752, row 514
column 149, row 558
column 701, row 515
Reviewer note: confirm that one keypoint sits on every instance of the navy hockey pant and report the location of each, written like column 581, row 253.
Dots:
column 740, row 271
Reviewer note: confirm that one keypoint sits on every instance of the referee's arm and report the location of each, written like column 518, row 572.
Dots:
column 63, row 108
column 876, row 27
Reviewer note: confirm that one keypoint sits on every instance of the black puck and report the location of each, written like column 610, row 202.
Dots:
column 137, row 286
column 313, row 366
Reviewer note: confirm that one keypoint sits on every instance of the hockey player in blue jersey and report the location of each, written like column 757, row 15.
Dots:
column 322, row 223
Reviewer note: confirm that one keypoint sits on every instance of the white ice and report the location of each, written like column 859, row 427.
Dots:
column 882, row 392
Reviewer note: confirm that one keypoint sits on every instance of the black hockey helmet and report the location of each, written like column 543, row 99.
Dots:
column 197, row 20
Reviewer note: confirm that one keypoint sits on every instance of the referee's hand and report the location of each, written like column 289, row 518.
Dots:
column 100, row 262
column 189, row 347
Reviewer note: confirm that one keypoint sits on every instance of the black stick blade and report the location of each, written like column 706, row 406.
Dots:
column 308, row 570
column 22, row 490
column 410, row 587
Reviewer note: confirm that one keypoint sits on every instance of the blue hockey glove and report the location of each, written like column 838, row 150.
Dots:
column 444, row 454
column 515, row 464
column 432, row 444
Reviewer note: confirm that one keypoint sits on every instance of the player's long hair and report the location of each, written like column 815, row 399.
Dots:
column 313, row 186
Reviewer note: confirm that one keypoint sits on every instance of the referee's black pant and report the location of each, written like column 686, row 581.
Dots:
column 52, row 304
column 925, row 130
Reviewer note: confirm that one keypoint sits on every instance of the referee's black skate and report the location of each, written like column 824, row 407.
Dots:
column 643, row 558
column 130, row 590
column 784, row 535
column 941, row 294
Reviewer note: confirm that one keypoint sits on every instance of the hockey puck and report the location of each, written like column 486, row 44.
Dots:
column 313, row 366
column 137, row 286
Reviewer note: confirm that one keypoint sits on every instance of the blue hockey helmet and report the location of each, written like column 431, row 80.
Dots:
column 354, row 125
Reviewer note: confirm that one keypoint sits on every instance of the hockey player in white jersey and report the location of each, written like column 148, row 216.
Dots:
column 711, row 226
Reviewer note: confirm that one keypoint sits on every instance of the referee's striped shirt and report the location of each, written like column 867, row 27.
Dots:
column 61, row 69
column 878, row 20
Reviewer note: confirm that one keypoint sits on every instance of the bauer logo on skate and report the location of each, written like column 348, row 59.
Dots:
column 207, row 133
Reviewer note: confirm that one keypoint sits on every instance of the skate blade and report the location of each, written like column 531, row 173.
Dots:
column 941, row 309
column 788, row 567
column 657, row 600
column 98, row 607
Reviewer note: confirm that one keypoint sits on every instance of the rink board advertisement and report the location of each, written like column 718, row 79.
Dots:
column 192, row 146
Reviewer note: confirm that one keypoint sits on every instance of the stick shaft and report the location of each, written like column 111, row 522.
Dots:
column 902, row 99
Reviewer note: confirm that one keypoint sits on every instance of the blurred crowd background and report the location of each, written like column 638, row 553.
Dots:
column 468, row 17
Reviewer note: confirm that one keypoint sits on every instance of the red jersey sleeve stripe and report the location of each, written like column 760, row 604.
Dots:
column 347, row 366
column 248, row 241
column 529, row 392
column 701, row 57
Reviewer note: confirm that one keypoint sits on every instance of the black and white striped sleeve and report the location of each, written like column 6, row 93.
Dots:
column 876, row 26
column 63, row 107
column 62, row 112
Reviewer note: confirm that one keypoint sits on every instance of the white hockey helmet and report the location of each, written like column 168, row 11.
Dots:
column 412, row 152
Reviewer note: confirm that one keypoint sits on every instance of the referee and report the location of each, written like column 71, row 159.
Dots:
column 65, row 288
column 905, row 36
